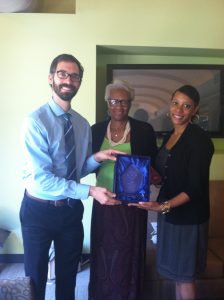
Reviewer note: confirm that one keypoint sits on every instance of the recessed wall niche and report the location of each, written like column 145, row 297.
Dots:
column 121, row 54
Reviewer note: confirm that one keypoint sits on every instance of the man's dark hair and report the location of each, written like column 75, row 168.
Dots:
column 67, row 58
column 189, row 91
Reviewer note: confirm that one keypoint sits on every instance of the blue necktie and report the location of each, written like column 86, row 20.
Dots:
column 69, row 147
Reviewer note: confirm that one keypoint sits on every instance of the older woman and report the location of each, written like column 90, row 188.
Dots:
column 183, row 202
column 118, row 234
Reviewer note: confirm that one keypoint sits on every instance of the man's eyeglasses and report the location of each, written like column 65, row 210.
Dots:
column 116, row 102
column 64, row 75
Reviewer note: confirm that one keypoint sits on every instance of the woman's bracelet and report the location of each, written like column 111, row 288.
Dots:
column 165, row 207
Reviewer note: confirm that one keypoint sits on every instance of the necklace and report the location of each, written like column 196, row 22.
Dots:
column 117, row 131
column 124, row 137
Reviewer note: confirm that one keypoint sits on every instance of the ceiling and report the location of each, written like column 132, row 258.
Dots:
column 38, row 6
column 9, row 6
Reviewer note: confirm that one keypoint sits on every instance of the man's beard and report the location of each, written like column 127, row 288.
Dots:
column 67, row 95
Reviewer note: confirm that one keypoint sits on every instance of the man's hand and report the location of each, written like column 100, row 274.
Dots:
column 103, row 196
column 109, row 154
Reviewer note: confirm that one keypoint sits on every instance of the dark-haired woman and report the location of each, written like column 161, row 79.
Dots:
column 183, row 202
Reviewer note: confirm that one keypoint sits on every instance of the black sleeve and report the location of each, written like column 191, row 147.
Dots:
column 98, row 133
column 143, row 139
column 200, row 153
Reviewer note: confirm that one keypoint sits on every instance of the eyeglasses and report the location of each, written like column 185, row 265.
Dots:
column 116, row 102
column 64, row 75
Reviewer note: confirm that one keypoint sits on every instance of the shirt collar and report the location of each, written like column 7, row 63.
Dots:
column 58, row 111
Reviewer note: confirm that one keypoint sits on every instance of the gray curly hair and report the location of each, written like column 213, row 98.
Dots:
column 121, row 85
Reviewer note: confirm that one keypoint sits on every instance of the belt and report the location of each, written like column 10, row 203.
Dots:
column 57, row 203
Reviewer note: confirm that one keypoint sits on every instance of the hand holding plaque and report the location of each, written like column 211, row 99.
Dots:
column 131, row 178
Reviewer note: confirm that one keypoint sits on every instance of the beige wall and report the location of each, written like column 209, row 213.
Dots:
column 30, row 41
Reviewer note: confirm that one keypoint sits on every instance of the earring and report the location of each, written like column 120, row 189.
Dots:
column 195, row 118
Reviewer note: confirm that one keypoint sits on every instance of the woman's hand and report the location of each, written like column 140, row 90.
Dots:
column 151, row 205
column 109, row 154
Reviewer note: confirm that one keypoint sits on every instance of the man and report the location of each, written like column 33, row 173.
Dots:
column 51, row 209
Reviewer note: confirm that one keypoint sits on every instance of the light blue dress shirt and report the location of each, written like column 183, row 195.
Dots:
column 44, row 167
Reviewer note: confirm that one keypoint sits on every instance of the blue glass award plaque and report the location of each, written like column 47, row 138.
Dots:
column 131, row 178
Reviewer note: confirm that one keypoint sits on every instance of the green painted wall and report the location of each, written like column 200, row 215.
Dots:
column 29, row 42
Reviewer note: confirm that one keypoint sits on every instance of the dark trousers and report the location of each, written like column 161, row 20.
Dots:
column 41, row 224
